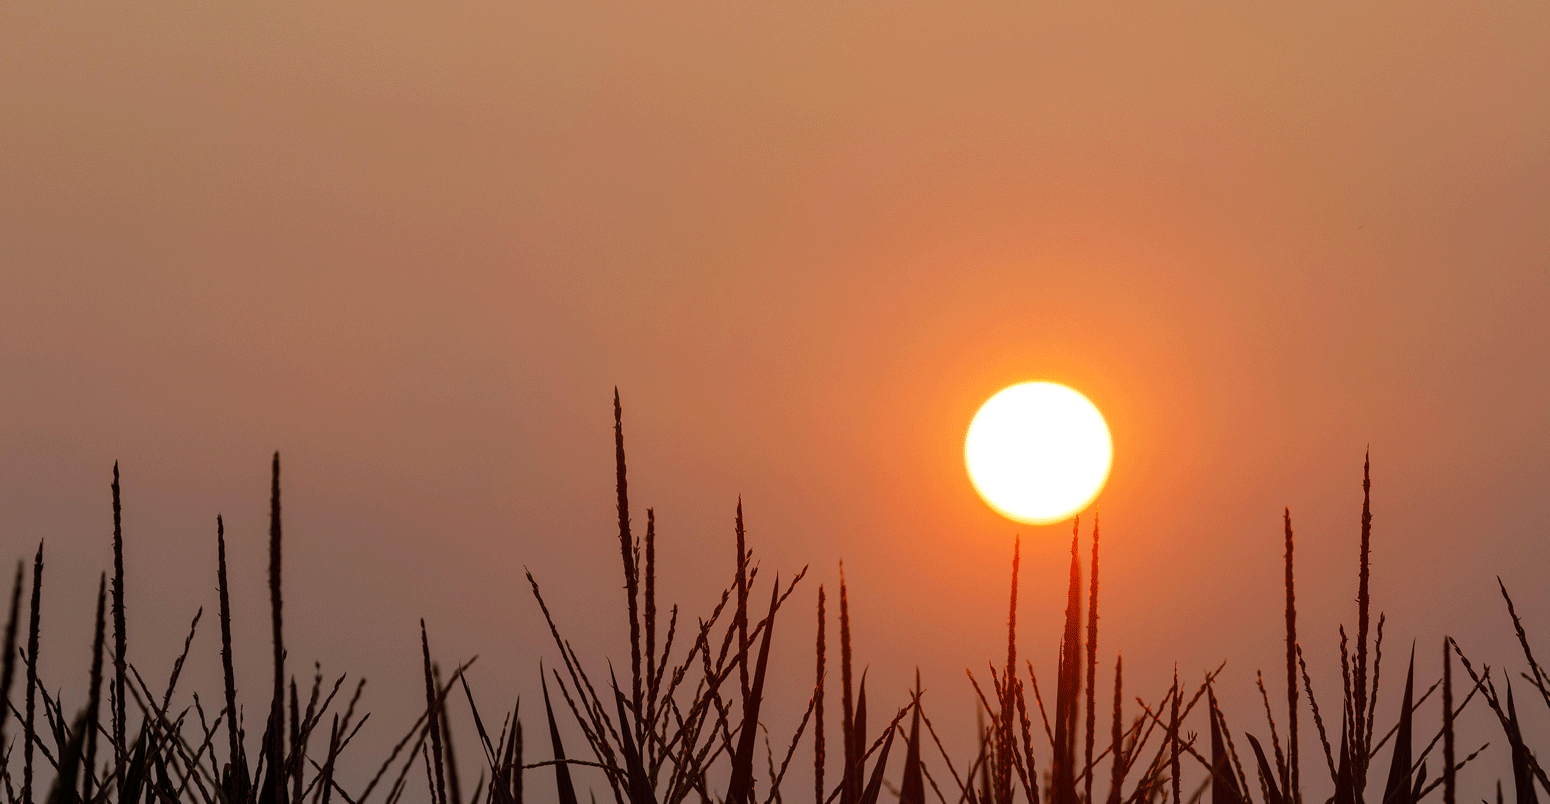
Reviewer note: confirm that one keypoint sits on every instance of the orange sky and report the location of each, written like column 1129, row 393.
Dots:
column 414, row 248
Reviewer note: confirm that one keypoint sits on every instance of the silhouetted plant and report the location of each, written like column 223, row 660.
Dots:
column 678, row 729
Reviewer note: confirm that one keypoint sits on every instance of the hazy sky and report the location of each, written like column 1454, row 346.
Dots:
column 414, row 247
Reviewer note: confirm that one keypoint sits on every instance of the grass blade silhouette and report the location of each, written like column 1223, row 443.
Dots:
column 1292, row 782
column 740, row 787
column 1522, row 760
column 63, row 791
column 627, row 551
column 1117, row 736
column 1282, row 773
column 1267, row 777
column 1224, row 784
column 818, row 745
column 874, row 785
column 651, row 626
column 454, row 786
column 1004, row 748
column 491, row 751
column 29, row 730
column 1345, row 790
column 1068, row 687
column 433, row 717
column 94, row 691
column 1359, row 746
column 562, row 780
column 1173, row 739
column 273, row 785
column 1400, row 786
column 1449, row 777
column 326, row 777
column 858, row 744
column 1539, row 677
column 911, row 788
column 850, row 780
column 740, row 617
column 1092, row 662
column 639, row 786
column 236, row 785
column 135, row 774
column 8, row 661
column 120, row 645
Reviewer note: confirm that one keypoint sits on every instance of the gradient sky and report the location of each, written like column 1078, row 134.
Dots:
column 414, row 247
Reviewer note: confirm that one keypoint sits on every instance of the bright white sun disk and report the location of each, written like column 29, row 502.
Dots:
column 1038, row 452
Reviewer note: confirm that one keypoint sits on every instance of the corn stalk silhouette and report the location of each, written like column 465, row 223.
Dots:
column 684, row 724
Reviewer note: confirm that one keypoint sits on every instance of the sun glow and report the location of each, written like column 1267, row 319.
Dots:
column 1038, row 452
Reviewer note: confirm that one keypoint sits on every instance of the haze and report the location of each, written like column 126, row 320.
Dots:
column 415, row 247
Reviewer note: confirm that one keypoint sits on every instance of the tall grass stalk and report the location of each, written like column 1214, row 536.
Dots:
column 1448, row 775
column 1173, row 739
column 1117, row 734
column 1291, row 781
column 911, row 788
column 1363, row 605
column 235, row 782
column 1092, row 663
column 274, row 779
column 651, row 620
column 818, row 734
column 849, row 782
column 627, row 552
column 120, row 635
column 8, row 661
column 444, row 720
column 740, row 616
column 1005, row 750
column 1282, row 774
column 29, row 725
column 94, row 691
column 1068, row 684
column 433, row 720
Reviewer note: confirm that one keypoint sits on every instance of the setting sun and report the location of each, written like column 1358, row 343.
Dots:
column 1038, row 452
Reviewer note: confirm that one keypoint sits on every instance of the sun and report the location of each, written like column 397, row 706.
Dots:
column 1038, row 452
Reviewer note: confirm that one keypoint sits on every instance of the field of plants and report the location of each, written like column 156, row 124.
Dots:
column 683, row 724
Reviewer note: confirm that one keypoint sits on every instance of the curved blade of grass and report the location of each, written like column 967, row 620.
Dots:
column 847, row 703
column 94, row 692
column 1292, row 782
column 433, row 716
column 874, row 786
column 628, row 551
column 639, row 787
column 1400, row 787
column 1345, row 791
column 818, row 746
column 740, row 788
column 1092, row 662
column 119, row 661
column 567, row 791
column 1224, row 785
column 134, row 775
column 912, row 789
column 1449, row 778
column 8, row 661
column 64, row 791
column 1522, row 772
column 273, row 785
column 237, row 783
column 1266, row 777
column 30, row 739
